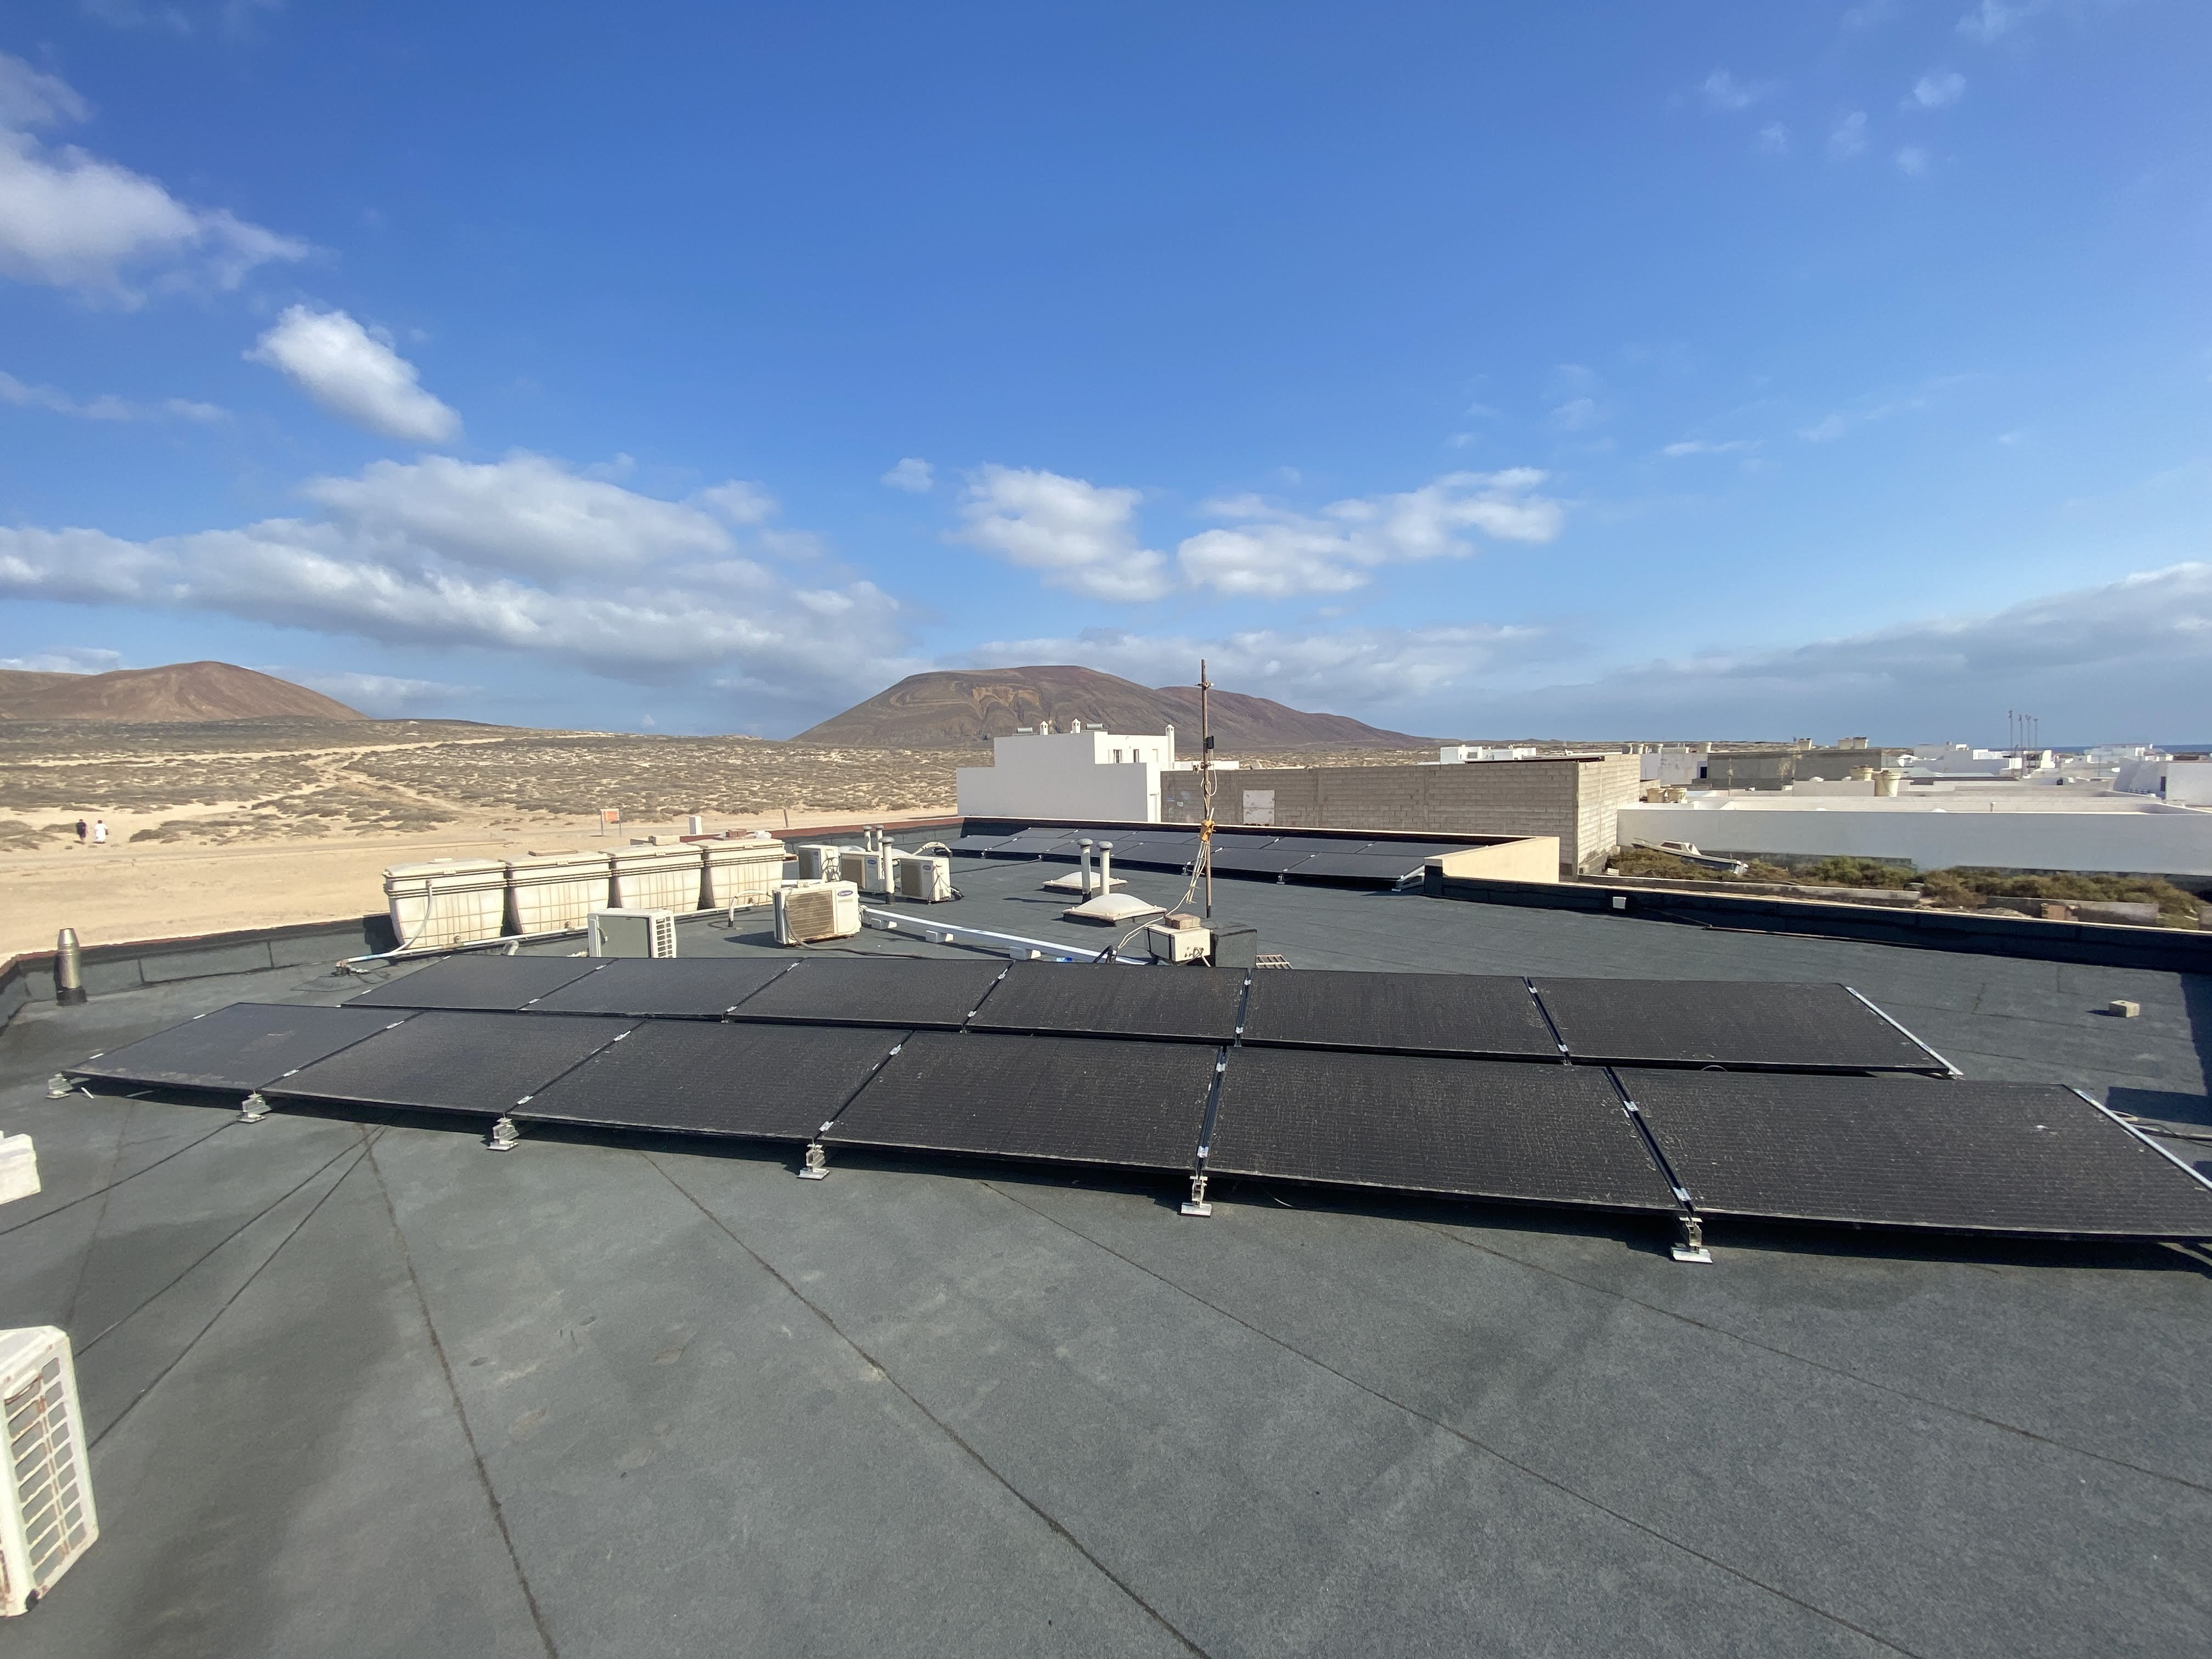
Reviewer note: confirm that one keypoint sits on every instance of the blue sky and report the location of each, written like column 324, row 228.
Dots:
column 1723, row 370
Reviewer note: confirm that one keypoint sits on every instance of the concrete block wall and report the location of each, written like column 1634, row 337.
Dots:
column 1576, row 801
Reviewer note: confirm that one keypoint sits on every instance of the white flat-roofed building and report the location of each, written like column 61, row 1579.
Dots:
column 1085, row 772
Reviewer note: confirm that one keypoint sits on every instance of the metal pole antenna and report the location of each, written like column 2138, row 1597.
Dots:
column 1205, row 786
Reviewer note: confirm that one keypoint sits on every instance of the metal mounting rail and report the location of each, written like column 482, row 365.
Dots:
column 982, row 938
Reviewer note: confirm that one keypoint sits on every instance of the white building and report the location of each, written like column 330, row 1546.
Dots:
column 1675, row 768
column 1459, row 754
column 1085, row 772
column 1960, row 760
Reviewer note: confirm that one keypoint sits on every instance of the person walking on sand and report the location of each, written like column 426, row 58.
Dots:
column 83, row 830
column 100, row 832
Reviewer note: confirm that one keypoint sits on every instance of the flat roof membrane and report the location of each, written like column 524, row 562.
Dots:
column 241, row 1048
column 1471, row 1128
column 1140, row 1105
column 490, row 983
column 1465, row 1014
column 448, row 1061
column 1191, row 1004
column 694, row 1076
column 1651, row 1022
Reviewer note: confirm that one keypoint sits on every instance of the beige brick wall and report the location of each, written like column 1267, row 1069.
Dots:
column 1578, row 801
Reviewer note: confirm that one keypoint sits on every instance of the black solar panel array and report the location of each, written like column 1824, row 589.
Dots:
column 1441, row 1083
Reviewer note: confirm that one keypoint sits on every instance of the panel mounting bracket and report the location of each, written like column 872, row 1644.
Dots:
column 1691, row 1245
column 504, row 1136
column 252, row 1108
column 815, row 1164
column 1196, row 1204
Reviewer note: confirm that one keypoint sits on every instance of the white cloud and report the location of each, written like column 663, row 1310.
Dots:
column 1708, row 447
column 1774, row 139
column 1912, row 161
column 353, row 374
column 106, row 407
column 1936, row 90
column 67, row 659
column 374, row 693
column 1724, row 93
column 433, row 553
column 1082, row 536
column 911, row 474
column 2112, row 656
column 1993, row 19
column 1353, row 668
column 72, row 220
column 1848, row 137
column 1273, row 551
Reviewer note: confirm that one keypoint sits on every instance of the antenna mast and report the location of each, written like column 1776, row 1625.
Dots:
column 1206, row 787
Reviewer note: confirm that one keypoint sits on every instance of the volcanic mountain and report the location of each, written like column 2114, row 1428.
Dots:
column 180, row 691
column 965, row 708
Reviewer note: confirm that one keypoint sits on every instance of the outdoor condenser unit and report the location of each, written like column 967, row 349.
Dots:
column 46, row 1519
column 817, row 863
column 633, row 932
column 924, row 880
column 808, row 910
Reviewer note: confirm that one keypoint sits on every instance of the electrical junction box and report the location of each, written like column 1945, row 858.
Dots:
column 632, row 934
column 1235, row 944
column 1178, row 944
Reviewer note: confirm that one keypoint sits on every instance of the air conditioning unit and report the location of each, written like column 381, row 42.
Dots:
column 817, row 863
column 46, row 1519
column 808, row 910
column 1179, row 943
column 924, row 880
column 19, row 1168
column 633, row 932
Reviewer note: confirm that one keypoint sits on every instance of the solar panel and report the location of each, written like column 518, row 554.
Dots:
column 692, row 1077
column 1977, row 1157
column 1192, row 1004
column 1473, row 1129
column 488, row 982
column 977, row 844
column 1319, row 844
column 916, row 992
column 1137, row 1104
column 1259, row 861
column 238, row 1048
column 448, row 1061
column 702, row 987
column 1356, row 869
column 1153, row 855
column 1472, row 1014
column 1644, row 1022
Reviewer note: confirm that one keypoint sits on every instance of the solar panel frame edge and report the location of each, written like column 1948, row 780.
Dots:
column 140, row 1077
column 1597, row 1054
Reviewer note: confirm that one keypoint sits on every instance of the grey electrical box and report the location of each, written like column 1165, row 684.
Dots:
column 1235, row 944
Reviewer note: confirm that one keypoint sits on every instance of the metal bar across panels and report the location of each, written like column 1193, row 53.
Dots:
column 1138, row 1105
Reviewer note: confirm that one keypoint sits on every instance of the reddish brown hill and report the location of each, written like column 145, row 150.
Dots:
column 180, row 691
column 964, row 709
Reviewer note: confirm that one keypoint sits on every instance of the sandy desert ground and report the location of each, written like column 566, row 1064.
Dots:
column 227, row 825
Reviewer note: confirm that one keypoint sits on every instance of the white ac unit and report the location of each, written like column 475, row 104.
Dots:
column 808, row 910
column 1173, row 944
column 19, row 1168
column 633, row 932
column 46, row 1519
column 924, row 880
column 817, row 863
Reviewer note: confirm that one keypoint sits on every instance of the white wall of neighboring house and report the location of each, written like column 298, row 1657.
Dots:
column 1088, row 774
column 1674, row 768
column 2189, row 783
column 2165, row 842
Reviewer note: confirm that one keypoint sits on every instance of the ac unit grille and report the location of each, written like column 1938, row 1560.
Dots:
column 811, row 916
column 49, row 1495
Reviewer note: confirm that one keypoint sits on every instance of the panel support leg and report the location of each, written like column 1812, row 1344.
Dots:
column 58, row 1087
column 1196, row 1204
column 815, row 1165
column 504, row 1136
column 1691, row 1245
column 252, row 1108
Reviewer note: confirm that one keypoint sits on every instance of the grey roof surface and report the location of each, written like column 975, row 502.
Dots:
column 366, row 1387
